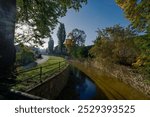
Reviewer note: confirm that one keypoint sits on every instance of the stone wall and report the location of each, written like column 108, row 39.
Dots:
column 51, row 87
column 124, row 74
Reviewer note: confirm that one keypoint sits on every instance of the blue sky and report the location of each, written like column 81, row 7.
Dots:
column 96, row 14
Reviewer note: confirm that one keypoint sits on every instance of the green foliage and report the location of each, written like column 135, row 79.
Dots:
column 138, row 12
column 102, row 49
column 49, row 68
column 124, row 51
column 78, row 36
column 61, row 34
column 121, row 46
column 75, row 43
column 50, row 46
column 81, row 52
column 115, row 44
column 42, row 15
column 143, row 44
column 24, row 56
column 75, row 52
column 143, row 60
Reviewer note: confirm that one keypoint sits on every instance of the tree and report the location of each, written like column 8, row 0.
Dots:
column 61, row 34
column 75, row 42
column 25, row 55
column 50, row 46
column 81, row 52
column 138, row 12
column 78, row 36
column 41, row 15
column 69, row 44
column 115, row 44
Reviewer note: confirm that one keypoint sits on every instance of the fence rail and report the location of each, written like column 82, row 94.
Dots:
column 29, row 78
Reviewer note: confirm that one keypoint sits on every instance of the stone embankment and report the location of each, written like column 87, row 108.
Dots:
column 124, row 74
column 52, row 86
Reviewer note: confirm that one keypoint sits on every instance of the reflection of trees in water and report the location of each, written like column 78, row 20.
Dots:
column 80, row 81
column 76, row 85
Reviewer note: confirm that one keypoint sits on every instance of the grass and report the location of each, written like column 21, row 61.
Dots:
column 31, row 77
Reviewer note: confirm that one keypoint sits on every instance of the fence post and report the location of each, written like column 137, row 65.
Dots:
column 65, row 63
column 59, row 66
column 40, row 74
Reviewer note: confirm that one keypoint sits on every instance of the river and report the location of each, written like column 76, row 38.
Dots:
column 95, row 85
column 81, row 87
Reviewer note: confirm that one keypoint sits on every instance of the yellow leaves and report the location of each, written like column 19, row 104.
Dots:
column 69, row 42
column 138, row 63
column 142, row 61
column 137, row 12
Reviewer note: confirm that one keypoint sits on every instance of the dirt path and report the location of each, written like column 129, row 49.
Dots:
column 44, row 59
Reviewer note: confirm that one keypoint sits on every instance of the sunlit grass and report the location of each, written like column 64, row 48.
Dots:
column 31, row 77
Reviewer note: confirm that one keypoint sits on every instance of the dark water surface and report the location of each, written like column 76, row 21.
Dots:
column 80, row 87
column 102, row 87
column 113, row 88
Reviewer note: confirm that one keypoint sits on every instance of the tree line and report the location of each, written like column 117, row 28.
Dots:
column 41, row 17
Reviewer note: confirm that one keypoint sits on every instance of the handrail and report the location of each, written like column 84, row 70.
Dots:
column 42, row 67
column 31, row 69
column 41, row 73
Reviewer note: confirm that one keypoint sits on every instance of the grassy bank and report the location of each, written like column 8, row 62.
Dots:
column 30, row 77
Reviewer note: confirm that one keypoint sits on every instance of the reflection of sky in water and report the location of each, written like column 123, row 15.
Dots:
column 87, row 90
column 79, row 87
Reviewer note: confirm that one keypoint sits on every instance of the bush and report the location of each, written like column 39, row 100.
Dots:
column 116, row 45
column 124, row 52
column 81, row 52
column 142, row 63
column 24, row 56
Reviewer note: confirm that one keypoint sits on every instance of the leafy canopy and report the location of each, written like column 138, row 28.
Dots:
column 41, row 16
column 50, row 45
column 78, row 36
column 61, row 34
column 115, row 44
column 138, row 12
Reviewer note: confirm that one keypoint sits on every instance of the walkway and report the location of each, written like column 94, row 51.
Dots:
column 44, row 59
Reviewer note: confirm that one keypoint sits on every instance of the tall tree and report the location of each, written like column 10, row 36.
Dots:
column 41, row 15
column 138, row 12
column 61, row 34
column 50, row 45
column 78, row 36
column 115, row 44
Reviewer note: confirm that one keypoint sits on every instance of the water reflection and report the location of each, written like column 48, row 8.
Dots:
column 80, row 87
column 112, row 88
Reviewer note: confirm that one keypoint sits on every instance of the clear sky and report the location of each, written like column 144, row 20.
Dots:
column 96, row 14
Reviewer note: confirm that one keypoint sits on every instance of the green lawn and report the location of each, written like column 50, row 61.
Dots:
column 31, row 77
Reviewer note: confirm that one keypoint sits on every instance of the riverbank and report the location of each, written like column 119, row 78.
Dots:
column 30, row 77
column 115, row 80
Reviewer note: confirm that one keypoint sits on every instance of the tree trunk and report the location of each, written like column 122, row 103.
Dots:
column 7, row 48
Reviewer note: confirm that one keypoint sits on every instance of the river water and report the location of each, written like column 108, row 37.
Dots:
column 101, row 87
column 80, row 87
